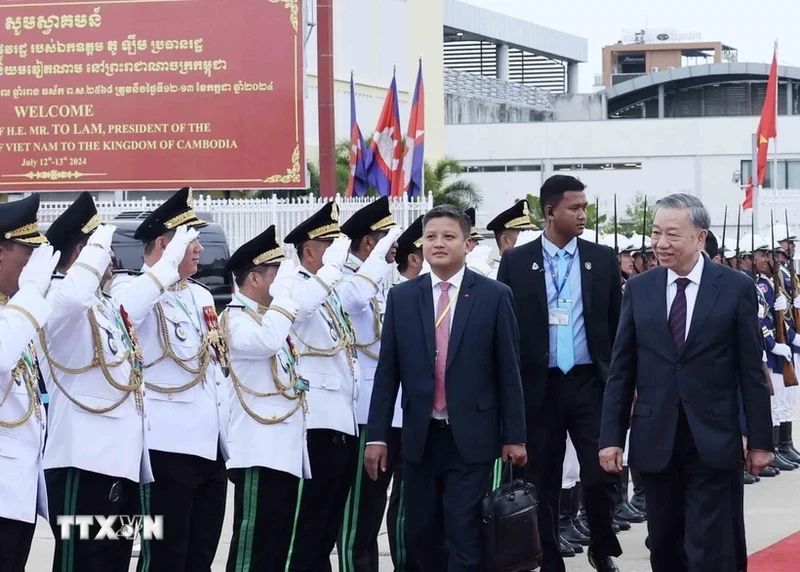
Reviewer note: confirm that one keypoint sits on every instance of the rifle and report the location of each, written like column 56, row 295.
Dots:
column 789, row 377
column 792, row 271
column 724, row 226
column 616, row 244
column 738, row 230
column 644, row 233
column 597, row 220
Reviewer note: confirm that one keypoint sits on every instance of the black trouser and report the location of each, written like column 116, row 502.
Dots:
column 573, row 403
column 322, row 499
column 75, row 492
column 690, row 508
column 363, row 513
column 15, row 544
column 443, row 499
column 264, row 506
column 189, row 492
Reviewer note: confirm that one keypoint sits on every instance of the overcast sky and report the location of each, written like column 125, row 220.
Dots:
column 751, row 27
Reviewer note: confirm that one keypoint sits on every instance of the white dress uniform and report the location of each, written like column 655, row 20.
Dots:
column 94, row 425
column 22, row 416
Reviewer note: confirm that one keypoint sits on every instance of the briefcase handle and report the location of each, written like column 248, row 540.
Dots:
column 507, row 478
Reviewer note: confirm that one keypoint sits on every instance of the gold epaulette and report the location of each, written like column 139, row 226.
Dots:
column 351, row 266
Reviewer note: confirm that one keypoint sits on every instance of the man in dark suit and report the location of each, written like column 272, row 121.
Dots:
column 450, row 339
column 567, row 296
column 688, row 338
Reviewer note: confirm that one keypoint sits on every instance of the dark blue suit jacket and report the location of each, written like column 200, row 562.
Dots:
column 722, row 356
column 483, row 387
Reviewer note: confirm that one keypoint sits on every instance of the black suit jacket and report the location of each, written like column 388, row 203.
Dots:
column 484, row 393
column 722, row 354
column 523, row 269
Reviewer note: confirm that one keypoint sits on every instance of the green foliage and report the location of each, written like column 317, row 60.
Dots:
column 448, row 191
column 634, row 215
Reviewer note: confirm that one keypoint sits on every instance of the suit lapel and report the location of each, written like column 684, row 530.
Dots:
column 463, row 308
column 707, row 296
column 660, row 307
column 534, row 265
column 427, row 317
column 587, row 263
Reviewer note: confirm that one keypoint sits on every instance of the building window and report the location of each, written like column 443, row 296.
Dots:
column 500, row 168
column 597, row 166
column 788, row 174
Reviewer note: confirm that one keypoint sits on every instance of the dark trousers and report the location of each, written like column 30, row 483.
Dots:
column 690, row 511
column 15, row 544
column 322, row 499
column 264, row 505
column 573, row 403
column 363, row 513
column 443, row 497
column 740, row 536
column 189, row 492
column 75, row 492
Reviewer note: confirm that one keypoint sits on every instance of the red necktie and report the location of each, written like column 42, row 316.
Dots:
column 442, row 339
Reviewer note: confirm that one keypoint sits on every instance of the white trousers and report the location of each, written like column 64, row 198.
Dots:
column 783, row 402
column 571, row 472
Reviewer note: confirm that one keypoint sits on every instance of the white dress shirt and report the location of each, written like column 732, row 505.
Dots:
column 691, row 290
column 455, row 286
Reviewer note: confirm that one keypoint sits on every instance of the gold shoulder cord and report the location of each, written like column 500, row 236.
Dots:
column 376, row 324
column 312, row 351
column 203, row 355
column 99, row 360
column 30, row 378
column 289, row 392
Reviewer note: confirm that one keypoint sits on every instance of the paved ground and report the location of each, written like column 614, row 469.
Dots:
column 773, row 512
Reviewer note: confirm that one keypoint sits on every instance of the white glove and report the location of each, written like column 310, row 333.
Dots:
column 176, row 249
column 477, row 259
column 796, row 341
column 762, row 311
column 796, row 302
column 780, row 304
column 38, row 272
column 764, row 357
column 283, row 282
column 385, row 244
column 336, row 254
column 525, row 237
column 783, row 350
column 103, row 236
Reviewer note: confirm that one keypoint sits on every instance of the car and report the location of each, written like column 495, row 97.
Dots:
column 129, row 253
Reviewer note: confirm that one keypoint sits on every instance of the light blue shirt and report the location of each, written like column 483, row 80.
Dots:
column 582, row 356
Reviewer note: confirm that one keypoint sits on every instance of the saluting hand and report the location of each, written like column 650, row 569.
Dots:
column 611, row 460
column 375, row 457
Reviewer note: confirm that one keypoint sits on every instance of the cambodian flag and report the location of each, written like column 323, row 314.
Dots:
column 360, row 156
column 414, row 158
column 384, row 172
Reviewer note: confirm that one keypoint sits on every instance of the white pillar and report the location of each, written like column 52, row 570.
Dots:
column 573, row 78
column 502, row 62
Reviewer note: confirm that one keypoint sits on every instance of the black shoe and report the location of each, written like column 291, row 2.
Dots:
column 582, row 527
column 623, row 512
column 647, row 542
column 566, row 549
column 602, row 564
column 571, row 534
column 787, row 453
column 781, row 463
column 622, row 525
column 769, row 472
column 615, row 528
column 636, row 511
column 577, row 548
column 749, row 479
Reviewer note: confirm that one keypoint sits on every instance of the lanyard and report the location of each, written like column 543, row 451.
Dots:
column 554, row 273
column 120, row 324
column 286, row 348
column 447, row 309
column 197, row 328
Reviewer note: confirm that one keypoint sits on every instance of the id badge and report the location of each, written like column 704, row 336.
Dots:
column 559, row 316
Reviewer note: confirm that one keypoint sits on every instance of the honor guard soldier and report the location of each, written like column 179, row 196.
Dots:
column 186, row 395
column 776, row 352
column 409, row 256
column 786, row 240
column 506, row 228
column 267, row 437
column 325, row 342
column 96, row 454
column 373, row 233
column 474, row 236
column 26, row 266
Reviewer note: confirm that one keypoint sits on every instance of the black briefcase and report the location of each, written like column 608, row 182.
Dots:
column 510, row 527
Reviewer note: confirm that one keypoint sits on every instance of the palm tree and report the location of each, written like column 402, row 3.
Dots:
column 446, row 191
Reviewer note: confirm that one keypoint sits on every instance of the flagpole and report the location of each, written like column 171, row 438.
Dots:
column 754, row 176
column 775, row 139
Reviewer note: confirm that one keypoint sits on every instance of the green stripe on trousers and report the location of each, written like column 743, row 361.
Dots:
column 144, row 545
column 349, row 530
column 294, row 525
column 248, row 525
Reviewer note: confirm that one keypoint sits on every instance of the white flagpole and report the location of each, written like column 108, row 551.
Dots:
column 754, row 179
column 775, row 140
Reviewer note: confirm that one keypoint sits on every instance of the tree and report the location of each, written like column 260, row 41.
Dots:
column 634, row 215
column 446, row 191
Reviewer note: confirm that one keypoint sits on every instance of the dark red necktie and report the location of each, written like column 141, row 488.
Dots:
column 677, row 314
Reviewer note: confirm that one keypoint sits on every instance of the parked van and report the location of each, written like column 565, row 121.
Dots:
column 211, row 272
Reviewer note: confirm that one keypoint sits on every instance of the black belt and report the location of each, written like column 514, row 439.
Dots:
column 440, row 423
column 575, row 371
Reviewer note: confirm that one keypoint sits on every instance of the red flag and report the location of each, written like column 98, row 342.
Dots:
column 767, row 129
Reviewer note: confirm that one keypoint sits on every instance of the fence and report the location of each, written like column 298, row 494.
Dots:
column 243, row 219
